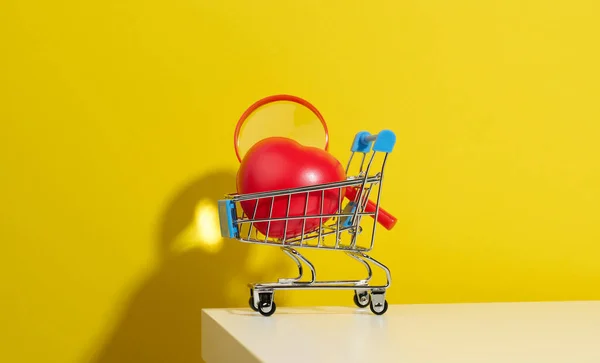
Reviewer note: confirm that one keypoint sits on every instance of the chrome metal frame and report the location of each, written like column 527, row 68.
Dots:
column 342, row 222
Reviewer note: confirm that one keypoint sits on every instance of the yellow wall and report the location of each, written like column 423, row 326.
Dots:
column 105, row 151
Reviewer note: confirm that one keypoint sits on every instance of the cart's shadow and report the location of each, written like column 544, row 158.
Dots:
column 316, row 310
column 161, row 322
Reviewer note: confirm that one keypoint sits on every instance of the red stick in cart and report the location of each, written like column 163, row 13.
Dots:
column 384, row 218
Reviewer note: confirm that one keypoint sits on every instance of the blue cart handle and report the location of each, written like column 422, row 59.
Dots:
column 384, row 141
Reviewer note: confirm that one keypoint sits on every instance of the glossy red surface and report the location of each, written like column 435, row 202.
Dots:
column 281, row 163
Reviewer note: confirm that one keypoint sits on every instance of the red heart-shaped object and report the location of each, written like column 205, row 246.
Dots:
column 280, row 163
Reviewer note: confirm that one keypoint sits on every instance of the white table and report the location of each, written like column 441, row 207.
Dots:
column 566, row 332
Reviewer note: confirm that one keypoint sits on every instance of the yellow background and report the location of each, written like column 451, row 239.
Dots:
column 117, row 118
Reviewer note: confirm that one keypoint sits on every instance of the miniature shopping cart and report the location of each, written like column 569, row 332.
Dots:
column 338, row 231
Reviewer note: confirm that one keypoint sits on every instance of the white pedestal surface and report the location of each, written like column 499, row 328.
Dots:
column 546, row 332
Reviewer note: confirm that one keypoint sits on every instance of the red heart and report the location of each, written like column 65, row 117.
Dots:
column 281, row 163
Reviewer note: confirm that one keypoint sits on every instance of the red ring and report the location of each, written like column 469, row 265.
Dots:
column 274, row 98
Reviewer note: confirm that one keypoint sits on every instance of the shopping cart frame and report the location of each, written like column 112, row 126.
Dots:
column 346, row 221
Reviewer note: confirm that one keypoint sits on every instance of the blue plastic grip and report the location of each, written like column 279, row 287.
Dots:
column 361, row 145
column 227, row 214
column 384, row 141
column 350, row 208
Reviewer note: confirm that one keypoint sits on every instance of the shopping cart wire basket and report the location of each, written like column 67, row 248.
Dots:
column 338, row 231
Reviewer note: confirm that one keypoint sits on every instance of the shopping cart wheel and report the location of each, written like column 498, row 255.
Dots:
column 362, row 299
column 379, row 310
column 267, row 310
column 266, row 305
column 251, row 303
column 379, row 304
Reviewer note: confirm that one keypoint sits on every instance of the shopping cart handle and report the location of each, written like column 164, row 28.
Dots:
column 384, row 141
column 384, row 218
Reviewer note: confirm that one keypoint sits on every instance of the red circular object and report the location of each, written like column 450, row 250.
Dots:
column 276, row 98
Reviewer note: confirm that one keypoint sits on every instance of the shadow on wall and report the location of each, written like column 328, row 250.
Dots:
column 162, row 320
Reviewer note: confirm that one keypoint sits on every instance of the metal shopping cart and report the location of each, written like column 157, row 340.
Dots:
column 338, row 231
